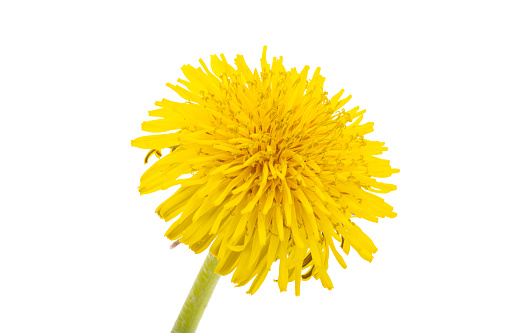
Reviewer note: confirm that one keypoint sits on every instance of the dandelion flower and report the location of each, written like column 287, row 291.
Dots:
column 278, row 171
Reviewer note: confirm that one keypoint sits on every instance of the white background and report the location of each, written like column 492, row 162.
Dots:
column 81, row 251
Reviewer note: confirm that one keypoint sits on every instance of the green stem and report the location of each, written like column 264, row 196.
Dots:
column 198, row 298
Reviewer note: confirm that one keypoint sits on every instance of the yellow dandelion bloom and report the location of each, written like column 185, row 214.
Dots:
column 278, row 171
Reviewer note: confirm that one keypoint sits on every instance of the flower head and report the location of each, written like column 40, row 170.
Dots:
column 278, row 171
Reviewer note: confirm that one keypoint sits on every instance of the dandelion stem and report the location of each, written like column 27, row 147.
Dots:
column 198, row 297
